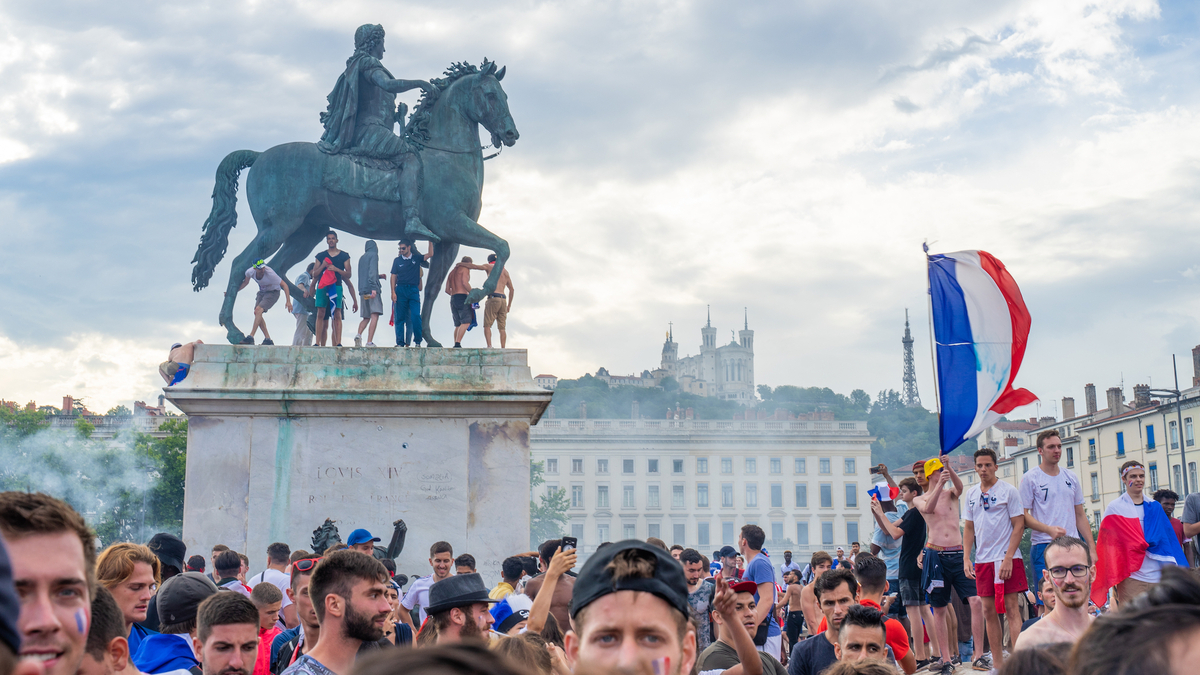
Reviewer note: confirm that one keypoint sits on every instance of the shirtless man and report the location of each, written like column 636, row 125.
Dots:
column 821, row 563
column 178, row 363
column 945, row 542
column 791, row 599
column 458, row 285
column 498, row 304
column 1071, row 558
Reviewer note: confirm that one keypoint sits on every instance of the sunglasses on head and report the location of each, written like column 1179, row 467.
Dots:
column 305, row 565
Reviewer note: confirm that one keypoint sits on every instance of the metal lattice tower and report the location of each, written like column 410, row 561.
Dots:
column 911, row 397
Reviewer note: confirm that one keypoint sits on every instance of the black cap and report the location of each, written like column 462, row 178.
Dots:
column 727, row 552
column 169, row 549
column 10, row 607
column 459, row 590
column 595, row 581
column 180, row 595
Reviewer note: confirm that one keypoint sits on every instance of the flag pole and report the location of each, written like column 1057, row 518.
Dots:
column 937, row 399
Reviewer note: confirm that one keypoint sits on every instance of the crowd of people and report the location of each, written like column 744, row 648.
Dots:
column 324, row 278
column 635, row 606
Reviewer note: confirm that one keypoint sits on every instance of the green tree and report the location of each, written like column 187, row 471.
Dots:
column 860, row 399
column 118, row 411
column 22, row 423
column 548, row 519
column 166, row 458
column 84, row 428
column 764, row 392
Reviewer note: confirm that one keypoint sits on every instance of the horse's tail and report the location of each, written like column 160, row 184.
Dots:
column 222, row 218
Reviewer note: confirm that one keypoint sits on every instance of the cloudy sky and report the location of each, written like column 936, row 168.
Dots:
column 787, row 158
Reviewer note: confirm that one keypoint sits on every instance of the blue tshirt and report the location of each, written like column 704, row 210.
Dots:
column 760, row 571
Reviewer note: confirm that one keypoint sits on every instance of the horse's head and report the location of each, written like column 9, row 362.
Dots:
column 489, row 105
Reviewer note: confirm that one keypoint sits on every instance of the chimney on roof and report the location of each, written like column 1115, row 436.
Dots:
column 634, row 412
column 67, row 403
column 1196, row 366
column 1046, row 421
column 1141, row 395
column 1089, row 397
column 583, row 410
column 1068, row 407
column 1116, row 401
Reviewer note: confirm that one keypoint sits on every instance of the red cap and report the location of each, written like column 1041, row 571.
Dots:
column 744, row 587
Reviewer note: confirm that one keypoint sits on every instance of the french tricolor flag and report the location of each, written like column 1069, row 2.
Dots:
column 981, row 326
column 1125, row 541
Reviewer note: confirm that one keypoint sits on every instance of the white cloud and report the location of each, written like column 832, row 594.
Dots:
column 789, row 159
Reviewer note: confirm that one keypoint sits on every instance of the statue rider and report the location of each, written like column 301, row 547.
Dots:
column 362, row 113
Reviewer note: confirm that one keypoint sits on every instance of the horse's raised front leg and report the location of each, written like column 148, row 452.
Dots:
column 439, row 265
column 470, row 233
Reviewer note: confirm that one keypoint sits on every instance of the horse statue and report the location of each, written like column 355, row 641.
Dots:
column 298, row 193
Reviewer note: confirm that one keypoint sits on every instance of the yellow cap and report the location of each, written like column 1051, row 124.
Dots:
column 932, row 465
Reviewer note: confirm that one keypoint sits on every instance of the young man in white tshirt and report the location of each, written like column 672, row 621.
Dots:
column 441, row 559
column 1052, row 498
column 994, row 526
column 278, row 560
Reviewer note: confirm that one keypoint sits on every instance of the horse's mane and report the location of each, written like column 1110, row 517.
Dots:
column 417, row 128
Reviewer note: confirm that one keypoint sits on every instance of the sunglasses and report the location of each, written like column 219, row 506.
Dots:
column 305, row 565
column 1077, row 571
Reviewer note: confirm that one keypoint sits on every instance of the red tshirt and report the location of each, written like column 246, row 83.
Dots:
column 897, row 637
column 1178, row 525
column 262, row 666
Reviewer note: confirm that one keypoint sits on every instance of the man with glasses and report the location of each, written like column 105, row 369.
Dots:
column 994, row 524
column 1070, row 571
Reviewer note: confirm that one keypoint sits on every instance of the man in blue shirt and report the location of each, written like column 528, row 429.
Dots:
column 406, row 293
column 761, row 572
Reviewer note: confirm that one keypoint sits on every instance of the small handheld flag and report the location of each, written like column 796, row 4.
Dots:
column 884, row 492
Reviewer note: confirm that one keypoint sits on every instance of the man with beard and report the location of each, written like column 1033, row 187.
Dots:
column 348, row 591
column 837, row 591
column 53, row 556
column 629, row 610
column 1069, row 567
column 458, row 608
column 226, row 640
column 700, row 596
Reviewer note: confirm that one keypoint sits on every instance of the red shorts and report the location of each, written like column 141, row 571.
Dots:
column 985, row 579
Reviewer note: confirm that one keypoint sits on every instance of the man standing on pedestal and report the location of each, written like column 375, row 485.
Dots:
column 371, row 291
column 496, row 309
column 458, row 285
column 270, row 285
column 406, row 293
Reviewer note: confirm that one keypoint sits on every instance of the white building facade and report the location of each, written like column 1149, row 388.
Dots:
column 697, row 482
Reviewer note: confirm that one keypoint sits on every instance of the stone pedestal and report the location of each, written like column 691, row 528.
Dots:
column 281, row 438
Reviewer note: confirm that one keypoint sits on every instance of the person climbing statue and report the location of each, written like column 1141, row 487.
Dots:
column 362, row 113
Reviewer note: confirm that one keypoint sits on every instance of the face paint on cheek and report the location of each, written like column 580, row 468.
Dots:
column 81, row 621
column 1058, row 582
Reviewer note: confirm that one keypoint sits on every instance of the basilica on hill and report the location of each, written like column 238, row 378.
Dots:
column 720, row 371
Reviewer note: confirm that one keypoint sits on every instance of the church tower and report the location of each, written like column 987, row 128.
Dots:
column 708, row 335
column 746, row 336
column 708, row 352
column 670, row 353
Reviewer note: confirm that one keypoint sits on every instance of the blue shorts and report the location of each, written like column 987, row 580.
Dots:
column 1038, row 554
column 323, row 296
column 181, row 373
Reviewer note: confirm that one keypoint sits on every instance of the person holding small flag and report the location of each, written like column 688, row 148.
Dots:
column 1134, row 543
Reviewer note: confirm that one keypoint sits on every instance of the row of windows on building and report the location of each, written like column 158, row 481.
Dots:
column 1189, row 439
column 749, row 466
column 749, row 496
column 705, row 531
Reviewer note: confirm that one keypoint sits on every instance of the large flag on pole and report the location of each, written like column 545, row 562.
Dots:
column 980, row 326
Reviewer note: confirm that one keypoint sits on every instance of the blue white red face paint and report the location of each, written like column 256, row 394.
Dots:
column 81, row 621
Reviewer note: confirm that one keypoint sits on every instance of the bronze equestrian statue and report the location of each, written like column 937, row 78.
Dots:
column 364, row 179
